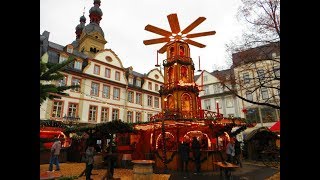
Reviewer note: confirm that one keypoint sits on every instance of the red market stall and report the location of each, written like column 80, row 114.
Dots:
column 275, row 127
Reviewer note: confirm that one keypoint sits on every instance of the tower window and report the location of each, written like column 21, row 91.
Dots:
column 96, row 37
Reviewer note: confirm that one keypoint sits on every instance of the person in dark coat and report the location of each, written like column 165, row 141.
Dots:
column 196, row 153
column 184, row 153
column 237, row 150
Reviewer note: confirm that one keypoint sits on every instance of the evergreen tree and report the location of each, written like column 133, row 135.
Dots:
column 49, row 74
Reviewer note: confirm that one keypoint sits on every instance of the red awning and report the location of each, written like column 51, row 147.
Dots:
column 275, row 127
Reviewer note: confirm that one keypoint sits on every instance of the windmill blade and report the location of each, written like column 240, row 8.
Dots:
column 157, row 30
column 201, row 34
column 164, row 48
column 193, row 25
column 174, row 23
column 155, row 41
column 195, row 43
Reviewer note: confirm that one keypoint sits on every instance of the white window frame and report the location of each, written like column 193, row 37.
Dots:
column 107, row 73
column 264, row 93
column 104, row 114
column 246, row 78
column 117, row 76
column 115, row 95
column 156, row 102
column 94, row 89
column 149, row 100
column 93, row 113
column 78, row 65
column 115, row 114
column 106, row 91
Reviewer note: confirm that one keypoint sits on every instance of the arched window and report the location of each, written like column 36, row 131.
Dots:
column 171, row 51
column 181, row 52
column 171, row 102
column 171, row 76
column 184, row 73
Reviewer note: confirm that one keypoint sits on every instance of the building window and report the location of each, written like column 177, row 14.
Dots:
column 246, row 78
column 73, row 110
column 96, row 70
column 116, row 93
column 260, row 73
column 150, row 101
column 138, row 82
column 107, row 73
column 129, row 117
column 156, row 87
column 249, row 95
column 93, row 113
column 57, row 109
column 94, row 89
column 205, row 78
column 138, row 98
column 207, row 104
column 149, row 117
column 264, row 93
column 131, row 80
column 149, row 85
column 69, row 49
column 62, row 59
column 156, row 102
column 130, row 96
column 229, row 102
column 138, row 116
column 276, row 71
column 117, row 76
column 115, row 114
column 104, row 114
column 217, row 88
column 74, row 82
column 63, row 81
column 78, row 65
column 106, row 91
column 206, row 89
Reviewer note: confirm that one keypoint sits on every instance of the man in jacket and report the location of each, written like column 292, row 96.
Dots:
column 55, row 152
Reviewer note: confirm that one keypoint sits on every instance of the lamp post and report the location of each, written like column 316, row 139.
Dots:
column 217, row 105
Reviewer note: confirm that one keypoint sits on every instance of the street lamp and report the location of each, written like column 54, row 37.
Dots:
column 217, row 102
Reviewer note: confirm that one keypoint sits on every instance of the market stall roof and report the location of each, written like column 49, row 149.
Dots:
column 254, row 131
column 268, row 124
column 275, row 127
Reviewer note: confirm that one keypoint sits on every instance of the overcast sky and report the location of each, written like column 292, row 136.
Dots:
column 123, row 23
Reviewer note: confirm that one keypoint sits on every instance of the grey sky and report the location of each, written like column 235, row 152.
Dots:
column 123, row 23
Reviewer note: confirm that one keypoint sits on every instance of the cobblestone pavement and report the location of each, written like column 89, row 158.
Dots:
column 249, row 171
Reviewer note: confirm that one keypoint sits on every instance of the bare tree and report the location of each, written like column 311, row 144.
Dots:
column 256, row 56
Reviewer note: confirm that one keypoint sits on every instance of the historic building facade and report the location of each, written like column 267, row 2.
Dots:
column 108, row 91
column 215, row 97
column 257, row 75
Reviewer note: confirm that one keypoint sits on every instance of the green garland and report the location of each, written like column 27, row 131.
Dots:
column 52, row 123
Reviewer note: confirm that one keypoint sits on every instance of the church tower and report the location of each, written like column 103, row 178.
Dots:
column 92, row 38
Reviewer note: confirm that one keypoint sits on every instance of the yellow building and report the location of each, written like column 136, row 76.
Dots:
column 108, row 91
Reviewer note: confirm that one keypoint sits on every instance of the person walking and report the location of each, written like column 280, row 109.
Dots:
column 196, row 153
column 237, row 150
column 230, row 151
column 90, row 152
column 55, row 152
column 184, row 153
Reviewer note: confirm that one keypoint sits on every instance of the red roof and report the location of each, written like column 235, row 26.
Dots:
column 276, row 126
